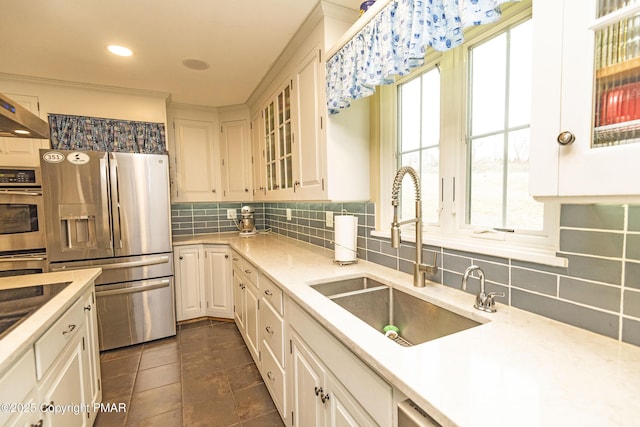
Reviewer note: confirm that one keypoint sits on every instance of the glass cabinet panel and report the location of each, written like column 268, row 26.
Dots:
column 617, row 76
column 278, row 141
column 270, row 146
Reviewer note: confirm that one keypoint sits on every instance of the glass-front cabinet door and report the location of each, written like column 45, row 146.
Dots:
column 586, row 98
column 278, row 140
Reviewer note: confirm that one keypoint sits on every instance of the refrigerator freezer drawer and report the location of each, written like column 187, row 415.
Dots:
column 135, row 312
column 125, row 269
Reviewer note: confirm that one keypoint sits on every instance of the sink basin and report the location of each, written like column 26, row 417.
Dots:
column 380, row 305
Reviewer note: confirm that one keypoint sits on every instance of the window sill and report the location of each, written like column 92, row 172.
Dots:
column 486, row 247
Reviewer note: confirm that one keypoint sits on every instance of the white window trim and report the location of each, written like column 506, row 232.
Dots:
column 455, row 234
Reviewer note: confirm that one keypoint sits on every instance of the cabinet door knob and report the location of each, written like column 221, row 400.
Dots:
column 566, row 138
column 317, row 390
column 87, row 307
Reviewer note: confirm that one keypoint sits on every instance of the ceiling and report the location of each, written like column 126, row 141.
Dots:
column 66, row 40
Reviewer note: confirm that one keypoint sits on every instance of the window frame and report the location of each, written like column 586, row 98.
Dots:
column 453, row 232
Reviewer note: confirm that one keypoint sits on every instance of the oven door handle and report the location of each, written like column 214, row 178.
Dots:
column 148, row 287
column 21, row 193
column 141, row 263
column 23, row 259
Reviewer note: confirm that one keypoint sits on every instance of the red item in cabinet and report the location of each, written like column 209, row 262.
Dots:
column 620, row 104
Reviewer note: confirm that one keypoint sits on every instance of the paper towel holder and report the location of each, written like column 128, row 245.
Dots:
column 355, row 250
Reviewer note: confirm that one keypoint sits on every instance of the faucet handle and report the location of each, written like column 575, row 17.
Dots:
column 489, row 304
column 495, row 294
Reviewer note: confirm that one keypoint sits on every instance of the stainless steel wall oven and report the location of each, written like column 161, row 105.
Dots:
column 21, row 211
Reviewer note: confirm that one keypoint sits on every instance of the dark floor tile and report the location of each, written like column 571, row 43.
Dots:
column 171, row 342
column 234, row 357
column 196, row 324
column 113, row 418
column 120, row 366
column 212, row 413
column 272, row 419
column 155, row 401
column 121, row 385
column 157, row 377
column 243, row 376
column 198, row 346
column 199, row 364
column 253, row 402
column 209, row 386
column 159, row 356
column 168, row 419
column 121, row 352
column 195, row 334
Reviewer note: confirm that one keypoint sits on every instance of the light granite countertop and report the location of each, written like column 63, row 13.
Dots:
column 14, row 344
column 516, row 369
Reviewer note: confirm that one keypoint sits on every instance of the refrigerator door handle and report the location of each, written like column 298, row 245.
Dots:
column 115, row 202
column 104, row 171
column 148, row 287
column 127, row 264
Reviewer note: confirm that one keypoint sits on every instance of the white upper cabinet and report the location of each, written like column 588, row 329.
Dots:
column 306, row 154
column 22, row 151
column 585, row 132
column 195, row 161
column 235, row 147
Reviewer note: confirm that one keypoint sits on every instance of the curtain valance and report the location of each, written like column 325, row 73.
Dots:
column 395, row 41
column 94, row 133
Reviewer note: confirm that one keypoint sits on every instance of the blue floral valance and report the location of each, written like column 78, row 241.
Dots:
column 98, row 134
column 395, row 41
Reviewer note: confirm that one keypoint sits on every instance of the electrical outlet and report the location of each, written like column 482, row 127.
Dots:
column 288, row 214
column 231, row 214
column 328, row 218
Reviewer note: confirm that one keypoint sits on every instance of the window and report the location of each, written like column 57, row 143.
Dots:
column 463, row 123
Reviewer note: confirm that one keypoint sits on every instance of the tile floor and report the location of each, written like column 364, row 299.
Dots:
column 204, row 376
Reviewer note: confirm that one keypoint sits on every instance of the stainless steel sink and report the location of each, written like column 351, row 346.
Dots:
column 379, row 305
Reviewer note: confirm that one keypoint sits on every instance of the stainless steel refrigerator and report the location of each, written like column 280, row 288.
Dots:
column 111, row 210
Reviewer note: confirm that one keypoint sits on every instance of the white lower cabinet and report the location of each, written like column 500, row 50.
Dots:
column 329, row 385
column 246, row 303
column 203, row 282
column 57, row 380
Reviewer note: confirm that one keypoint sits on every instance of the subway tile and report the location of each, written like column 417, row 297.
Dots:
column 384, row 260
column 455, row 263
column 498, row 273
column 566, row 312
column 592, row 243
column 634, row 218
column 181, row 206
column 539, row 267
column 632, row 303
column 357, row 208
column 451, row 279
column 633, row 246
column 605, row 217
column 596, row 269
column 588, row 293
column 536, row 281
column 632, row 275
column 631, row 331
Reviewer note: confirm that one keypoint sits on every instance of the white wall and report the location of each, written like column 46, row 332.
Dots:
column 86, row 100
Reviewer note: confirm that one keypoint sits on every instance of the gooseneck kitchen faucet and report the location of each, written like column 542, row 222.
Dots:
column 419, row 269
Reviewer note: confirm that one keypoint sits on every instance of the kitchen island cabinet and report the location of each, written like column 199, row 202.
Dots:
column 49, row 363
column 583, row 135
column 533, row 365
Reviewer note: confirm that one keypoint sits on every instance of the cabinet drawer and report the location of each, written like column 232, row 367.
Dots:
column 236, row 260
column 272, row 293
column 274, row 379
column 17, row 382
column 272, row 331
column 52, row 342
column 250, row 272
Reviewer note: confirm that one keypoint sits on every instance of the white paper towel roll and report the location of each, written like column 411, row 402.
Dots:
column 346, row 237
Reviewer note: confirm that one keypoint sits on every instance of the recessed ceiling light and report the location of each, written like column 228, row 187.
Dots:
column 195, row 64
column 119, row 50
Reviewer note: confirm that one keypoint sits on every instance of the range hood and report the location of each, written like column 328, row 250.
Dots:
column 18, row 122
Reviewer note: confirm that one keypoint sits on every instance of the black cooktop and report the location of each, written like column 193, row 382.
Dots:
column 16, row 304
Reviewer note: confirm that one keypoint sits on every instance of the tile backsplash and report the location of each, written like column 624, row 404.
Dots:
column 598, row 291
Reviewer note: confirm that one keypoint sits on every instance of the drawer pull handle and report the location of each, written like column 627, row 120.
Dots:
column 271, row 376
column 268, row 293
column 38, row 424
column 87, row 307
column 269, row 329
column 69, row 330
column 248, row 271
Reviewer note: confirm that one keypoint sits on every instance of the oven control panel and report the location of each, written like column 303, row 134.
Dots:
column 19, row 177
